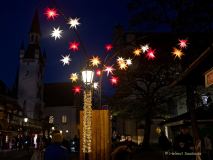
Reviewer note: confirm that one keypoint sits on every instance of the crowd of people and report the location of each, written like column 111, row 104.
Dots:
column 55, row 148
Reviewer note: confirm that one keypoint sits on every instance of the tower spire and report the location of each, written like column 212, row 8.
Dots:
column 35, row 27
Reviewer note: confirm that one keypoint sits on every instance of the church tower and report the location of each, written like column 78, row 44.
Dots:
column 30, row 76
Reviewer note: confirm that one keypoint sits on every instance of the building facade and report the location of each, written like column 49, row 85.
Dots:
column 31, row 71
column 62, row 108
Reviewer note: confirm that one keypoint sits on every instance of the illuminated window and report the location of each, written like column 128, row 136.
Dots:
column 51, row 119
column 64, row 119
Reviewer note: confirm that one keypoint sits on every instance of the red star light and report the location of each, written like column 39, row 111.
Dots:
column 108, row 47
column 98, row 72
column 51, row 13
column 150, row 54
column 74, row 46
column 114, row 80
column 183, row 43
column 77, row 89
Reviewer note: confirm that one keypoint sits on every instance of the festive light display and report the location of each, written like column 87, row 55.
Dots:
column 87, row 122
column 74, row 77
column 183, row 43
column 56, row 33
column 74, row 46
column 177, row 53
column 51, row 13
column 65, row 59
column 95, row 61
column 73, row 22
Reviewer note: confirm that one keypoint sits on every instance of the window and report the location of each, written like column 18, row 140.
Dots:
column 64, row 119
column 51, row 119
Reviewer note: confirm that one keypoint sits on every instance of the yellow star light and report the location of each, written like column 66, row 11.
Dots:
column 56, row 33
column 73, row 22
column 95, row 61
column 120, row 60
column 177, row 53
column 137, row 52
column 74, row 77
column 123, row 66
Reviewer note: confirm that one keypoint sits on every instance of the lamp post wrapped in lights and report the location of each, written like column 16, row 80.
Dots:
column 87, row 77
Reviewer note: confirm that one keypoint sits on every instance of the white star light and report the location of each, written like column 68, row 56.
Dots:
column 144, row 48
column 109, row 69
column 129, row 61
column 73, row 22
column 56, row 33
column 65, row 59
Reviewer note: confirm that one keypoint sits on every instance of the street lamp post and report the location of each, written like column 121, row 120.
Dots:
column 87, row 77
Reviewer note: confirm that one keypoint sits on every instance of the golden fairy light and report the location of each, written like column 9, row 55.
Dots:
column 87, row 122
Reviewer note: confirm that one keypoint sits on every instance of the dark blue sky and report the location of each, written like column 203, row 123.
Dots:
column 97, row 20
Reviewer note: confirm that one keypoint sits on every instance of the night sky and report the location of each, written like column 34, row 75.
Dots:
column 97, row 20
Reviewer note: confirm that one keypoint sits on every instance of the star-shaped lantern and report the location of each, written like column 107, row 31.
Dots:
column 66, row 59
column 137, row 52
column 73, row 22
column 183, row 43
column 109, row 69
column 150, row 54
column 114, row 80
column 51, row 13
column 74, row 46
column 177, row 53
column 145, row 48
column 56, row 33
column 108, row 47
column 95, row 61
column 74, row 77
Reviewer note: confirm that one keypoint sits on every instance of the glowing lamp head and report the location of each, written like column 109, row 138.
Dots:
column 87, row 76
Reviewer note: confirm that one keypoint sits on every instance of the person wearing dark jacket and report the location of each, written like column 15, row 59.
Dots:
column 56, row 151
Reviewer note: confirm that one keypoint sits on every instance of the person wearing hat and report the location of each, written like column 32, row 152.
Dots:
column 55, row 151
